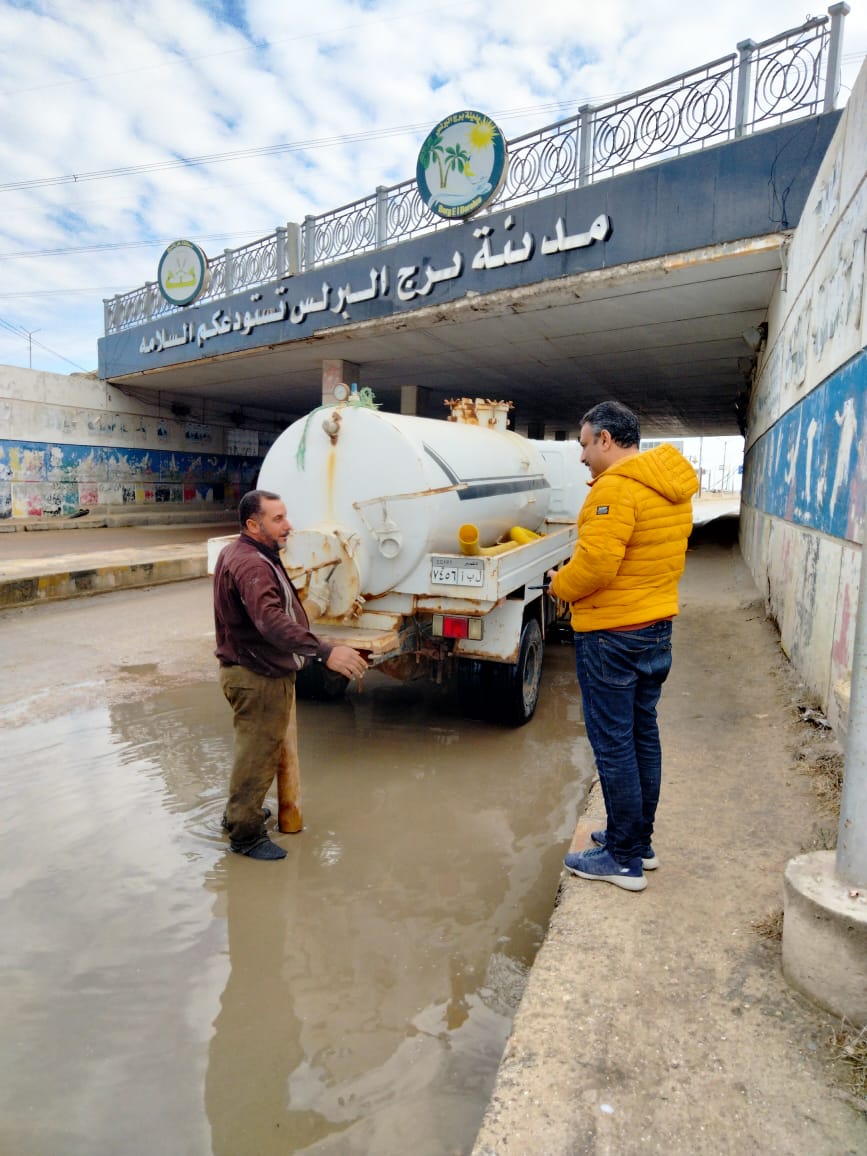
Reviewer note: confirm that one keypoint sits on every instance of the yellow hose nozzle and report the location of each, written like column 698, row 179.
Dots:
column 468, row 539
column 522, row 537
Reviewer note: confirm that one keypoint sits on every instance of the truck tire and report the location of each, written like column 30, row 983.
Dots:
column 519, row 689
column 477, row 693
column 316, row 681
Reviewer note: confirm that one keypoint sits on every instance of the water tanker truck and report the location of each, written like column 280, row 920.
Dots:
column 424, row 543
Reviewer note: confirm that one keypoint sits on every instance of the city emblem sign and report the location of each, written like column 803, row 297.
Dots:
column 461, row 165
column 183, row 273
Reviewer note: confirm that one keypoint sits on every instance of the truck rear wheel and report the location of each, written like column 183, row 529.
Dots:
column 477, row 688
column 521, row 680
column 504, row 692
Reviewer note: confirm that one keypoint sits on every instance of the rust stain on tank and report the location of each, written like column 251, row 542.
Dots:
column 329, row 480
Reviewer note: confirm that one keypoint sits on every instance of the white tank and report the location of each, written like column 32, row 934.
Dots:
column 568, row 476
column 379, row 491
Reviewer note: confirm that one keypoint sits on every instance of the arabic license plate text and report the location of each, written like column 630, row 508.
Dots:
column 449, row 572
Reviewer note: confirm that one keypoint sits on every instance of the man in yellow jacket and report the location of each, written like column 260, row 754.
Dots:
column 621, row 584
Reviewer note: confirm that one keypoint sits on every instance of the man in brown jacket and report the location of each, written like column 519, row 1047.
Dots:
column 263, row 639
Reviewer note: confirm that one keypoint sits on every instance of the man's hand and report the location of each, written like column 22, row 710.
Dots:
column 346, row 661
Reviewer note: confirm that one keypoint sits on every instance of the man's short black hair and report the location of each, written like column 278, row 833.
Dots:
column 251, row 504
column 618, row 419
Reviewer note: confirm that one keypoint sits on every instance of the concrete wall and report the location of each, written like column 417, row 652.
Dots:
column 73, row 442
column 805, row 473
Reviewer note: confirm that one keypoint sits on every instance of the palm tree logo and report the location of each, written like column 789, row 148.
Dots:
column 461, row 163
column 432, row 150
column 457, row 160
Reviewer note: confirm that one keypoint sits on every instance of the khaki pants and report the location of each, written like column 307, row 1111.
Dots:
column 265, row 737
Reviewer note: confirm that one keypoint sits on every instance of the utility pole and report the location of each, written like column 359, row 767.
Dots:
column 852, row 834
column 30, row 333
column 700, row 470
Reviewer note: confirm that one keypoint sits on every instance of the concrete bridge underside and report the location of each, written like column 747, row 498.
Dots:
column 655, row 316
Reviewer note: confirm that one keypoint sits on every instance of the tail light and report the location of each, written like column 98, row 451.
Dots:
column 456, row 626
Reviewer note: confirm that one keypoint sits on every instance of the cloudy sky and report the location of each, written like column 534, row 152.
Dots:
column 126, row 126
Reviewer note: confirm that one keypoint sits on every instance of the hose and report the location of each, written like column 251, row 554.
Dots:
column 468, row 539
column 522, row 537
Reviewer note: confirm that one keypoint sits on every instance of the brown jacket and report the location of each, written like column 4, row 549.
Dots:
column 258, row 617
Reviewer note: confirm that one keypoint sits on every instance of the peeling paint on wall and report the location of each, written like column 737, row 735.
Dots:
column 811, row 467
column 837, row 300
column 47, row 480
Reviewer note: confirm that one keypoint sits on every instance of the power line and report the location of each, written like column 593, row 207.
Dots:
column 110, row 289
column 206, row 159
column 263, row 150
column 110, row 246
column 298, row 146
column 19, row 331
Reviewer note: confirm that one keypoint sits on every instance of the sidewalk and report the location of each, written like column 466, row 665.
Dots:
column 660, row 1021
column 90, row 557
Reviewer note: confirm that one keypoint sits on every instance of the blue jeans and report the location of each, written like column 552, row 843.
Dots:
column 621, row 673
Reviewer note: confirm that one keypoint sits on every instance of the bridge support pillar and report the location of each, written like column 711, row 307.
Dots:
column 413, row 400
column 335, row 371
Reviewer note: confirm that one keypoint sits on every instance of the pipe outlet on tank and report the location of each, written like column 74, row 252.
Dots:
column 390, row 547
column 331, row 425
column 389, row 538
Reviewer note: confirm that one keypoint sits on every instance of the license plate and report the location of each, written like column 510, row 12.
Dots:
column 451, row 572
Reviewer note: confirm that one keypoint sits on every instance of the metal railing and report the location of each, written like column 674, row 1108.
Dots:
column 788, row 77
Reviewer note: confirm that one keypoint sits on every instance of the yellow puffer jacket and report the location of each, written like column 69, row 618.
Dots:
column 632, row 535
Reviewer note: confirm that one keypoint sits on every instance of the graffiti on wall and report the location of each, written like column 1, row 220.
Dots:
column 837, row 298
column 811, row 467
column 39, row 479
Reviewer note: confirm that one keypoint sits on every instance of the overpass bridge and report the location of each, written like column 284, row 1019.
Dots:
column 629, row 251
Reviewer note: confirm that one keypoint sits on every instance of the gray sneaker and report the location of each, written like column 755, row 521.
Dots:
column 601, row 864
column 649, row 860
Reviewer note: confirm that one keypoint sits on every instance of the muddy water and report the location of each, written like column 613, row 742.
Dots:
column 161, row 995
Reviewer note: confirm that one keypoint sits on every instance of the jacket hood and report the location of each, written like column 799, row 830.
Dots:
column 663, row 469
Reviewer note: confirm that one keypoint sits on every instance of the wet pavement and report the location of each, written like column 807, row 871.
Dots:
column 163, row 995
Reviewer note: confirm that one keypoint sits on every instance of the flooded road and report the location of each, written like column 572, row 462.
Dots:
column 163, row 995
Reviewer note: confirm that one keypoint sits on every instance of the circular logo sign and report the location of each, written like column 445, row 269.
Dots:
column 183, row 273
column 461, row 165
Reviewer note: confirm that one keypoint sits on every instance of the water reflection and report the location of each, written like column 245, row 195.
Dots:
column 354, row 997
column 257, row 1041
